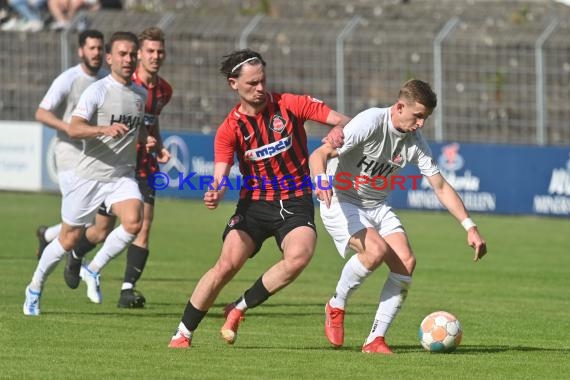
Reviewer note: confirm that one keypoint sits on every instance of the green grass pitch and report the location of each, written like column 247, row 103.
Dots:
column 514, row 305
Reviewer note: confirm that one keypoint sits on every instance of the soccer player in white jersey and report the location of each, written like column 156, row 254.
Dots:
column 55, row 111
column 108, row 117
column 378, row 142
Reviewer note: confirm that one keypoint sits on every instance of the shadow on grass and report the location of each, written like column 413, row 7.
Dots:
column 415, row 349
column 152, row 309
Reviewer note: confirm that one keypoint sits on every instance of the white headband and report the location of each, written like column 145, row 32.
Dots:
column 242, row 63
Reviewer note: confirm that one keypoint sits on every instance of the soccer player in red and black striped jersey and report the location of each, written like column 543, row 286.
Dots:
column 266, row 132
column 159, row 92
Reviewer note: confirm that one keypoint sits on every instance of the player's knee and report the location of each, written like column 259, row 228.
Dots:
column 225, row 269
column 297, row 262
column 70, row 239
column 132, row 226
column 375, row 253
column 97, row 235
column 410, row 264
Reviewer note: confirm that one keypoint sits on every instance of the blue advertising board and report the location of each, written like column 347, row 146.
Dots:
column 490, row 178
column 500, row 179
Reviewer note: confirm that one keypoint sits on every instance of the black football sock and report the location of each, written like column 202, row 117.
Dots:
column 136, row 261
column 256, row 295
column 83, row 247
column 192, row 317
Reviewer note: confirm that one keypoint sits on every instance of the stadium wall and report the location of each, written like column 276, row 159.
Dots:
column 490, row 178
column 500, row 68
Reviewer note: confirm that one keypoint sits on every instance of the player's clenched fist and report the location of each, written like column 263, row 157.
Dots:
column 211, row 199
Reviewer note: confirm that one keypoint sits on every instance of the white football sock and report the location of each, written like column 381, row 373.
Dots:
column 352, row 276
column 50, row 258
column 391, row 299
column 182, row 329
column 52, row 232
column 114, row 244
column 241, row 305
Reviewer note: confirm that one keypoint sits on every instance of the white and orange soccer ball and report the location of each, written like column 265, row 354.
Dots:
column 440, row 332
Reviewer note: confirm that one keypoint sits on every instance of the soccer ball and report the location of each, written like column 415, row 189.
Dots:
column 440, row 332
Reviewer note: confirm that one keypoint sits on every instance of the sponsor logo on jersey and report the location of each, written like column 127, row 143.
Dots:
column 269, row 150
column 132, row 122
column 278, row 123
column 371, row 167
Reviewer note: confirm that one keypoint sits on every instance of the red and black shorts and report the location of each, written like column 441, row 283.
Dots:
column 263, row 219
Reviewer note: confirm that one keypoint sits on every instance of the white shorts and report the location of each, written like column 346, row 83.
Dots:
column 66, row 179
column 343, row 219
column 81, row 203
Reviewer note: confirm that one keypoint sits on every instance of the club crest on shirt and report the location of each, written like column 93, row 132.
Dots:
column 235, row 220
column 397, row 159
column 278, row 123
column 139, row 105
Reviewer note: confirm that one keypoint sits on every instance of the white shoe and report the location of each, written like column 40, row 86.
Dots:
column 60, row 25
column 32, row 26
column 13, row 24
column 32, row 302
column 92, row 281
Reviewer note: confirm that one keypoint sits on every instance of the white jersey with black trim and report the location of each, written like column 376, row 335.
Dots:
column 61, row 99
column 374, row 149
column 105, row 102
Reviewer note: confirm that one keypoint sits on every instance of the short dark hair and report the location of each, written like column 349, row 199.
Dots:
column 121, row 36
column 419, row 91
column 151, row 34
column 233, row 62
column 89, row 33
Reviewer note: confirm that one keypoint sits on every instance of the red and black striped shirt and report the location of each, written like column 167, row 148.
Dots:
column 158, row 96
column 271, row 147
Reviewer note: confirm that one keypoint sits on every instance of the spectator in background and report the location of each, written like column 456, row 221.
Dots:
column 29, row 16
column 64, row 11
column 4, row 11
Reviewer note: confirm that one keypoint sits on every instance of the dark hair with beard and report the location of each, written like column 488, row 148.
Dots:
column 89, row 33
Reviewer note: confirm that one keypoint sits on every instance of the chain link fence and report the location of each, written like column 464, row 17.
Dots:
column 501, row 68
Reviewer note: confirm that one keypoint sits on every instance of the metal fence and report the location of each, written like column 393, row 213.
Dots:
column 501, row 71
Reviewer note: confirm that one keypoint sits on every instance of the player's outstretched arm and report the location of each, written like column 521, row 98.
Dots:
column 337, row 121
column 318, row 165
column 452, row 201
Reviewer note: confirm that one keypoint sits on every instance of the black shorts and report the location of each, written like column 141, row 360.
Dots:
column 103, row 210
column 262, row 219
column 147, row 192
